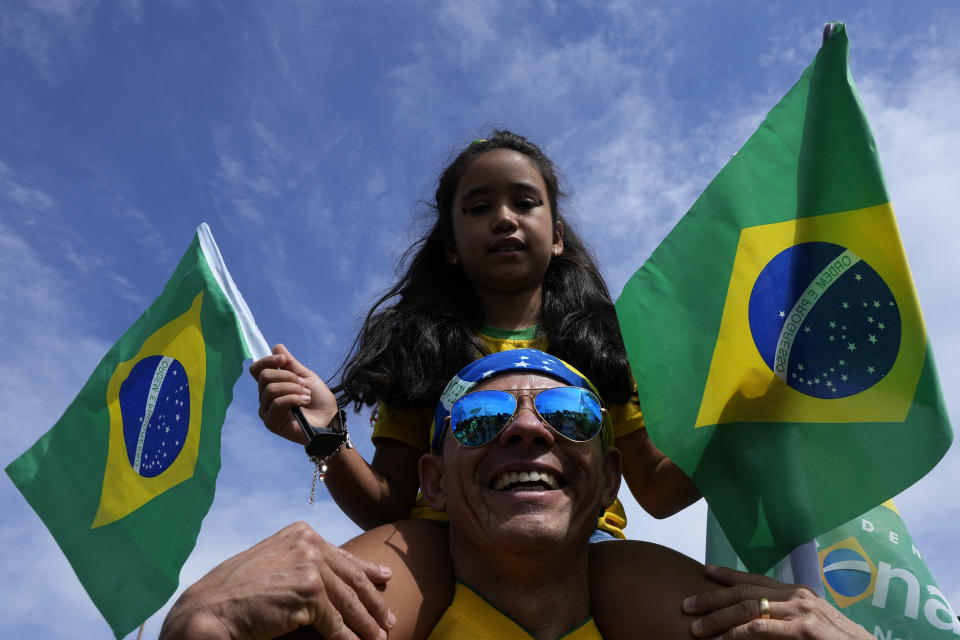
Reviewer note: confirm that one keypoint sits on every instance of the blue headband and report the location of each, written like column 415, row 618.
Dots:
column 524, row 360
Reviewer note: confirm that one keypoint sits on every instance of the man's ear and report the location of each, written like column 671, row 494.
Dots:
column 430, row 468
column 557, row 238
column 612, row 468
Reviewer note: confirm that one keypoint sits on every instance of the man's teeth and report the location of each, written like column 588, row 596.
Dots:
column 510, row 478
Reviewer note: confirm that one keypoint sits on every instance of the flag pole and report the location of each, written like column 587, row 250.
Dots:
column 804, row 561
column 805, row 565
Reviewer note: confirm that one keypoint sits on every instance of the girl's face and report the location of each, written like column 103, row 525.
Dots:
column 503, row 229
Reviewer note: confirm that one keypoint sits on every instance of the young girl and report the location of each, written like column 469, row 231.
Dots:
column 500, row 269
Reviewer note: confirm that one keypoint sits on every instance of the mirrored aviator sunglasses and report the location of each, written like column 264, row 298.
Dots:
column 572, row 412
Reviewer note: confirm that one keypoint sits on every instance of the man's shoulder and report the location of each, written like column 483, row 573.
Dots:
column 637, row 589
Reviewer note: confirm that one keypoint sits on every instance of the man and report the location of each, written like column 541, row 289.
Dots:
column 522, row 466
column 523, row 498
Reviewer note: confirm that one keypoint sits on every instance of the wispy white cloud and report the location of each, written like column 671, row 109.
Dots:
column 48, row 357
column 913, row 116
column 132, row 9
column 513, row 68
column 140, row 226
column 40, row 332
column 466, row 28
column 33, row 205
column 32, row 561
column 263, row 166
column 49, row 32
column 26, row 199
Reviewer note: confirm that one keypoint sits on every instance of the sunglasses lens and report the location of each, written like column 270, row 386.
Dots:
column 478, row 417
column 573, row 412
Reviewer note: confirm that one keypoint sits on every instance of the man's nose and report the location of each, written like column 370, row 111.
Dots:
column 527, row 427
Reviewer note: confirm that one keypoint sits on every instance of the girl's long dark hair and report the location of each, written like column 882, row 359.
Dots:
column 423, row 330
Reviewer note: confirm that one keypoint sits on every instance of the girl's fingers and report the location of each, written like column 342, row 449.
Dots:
column 274, row 376
column 273, row 361
column 277, row 413
column 291, row 363
column 278, row 398
column 279, row 390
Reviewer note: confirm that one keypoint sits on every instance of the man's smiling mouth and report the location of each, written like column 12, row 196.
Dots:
column 525, row 481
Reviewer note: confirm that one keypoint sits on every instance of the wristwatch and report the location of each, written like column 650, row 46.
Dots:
column 324, row 442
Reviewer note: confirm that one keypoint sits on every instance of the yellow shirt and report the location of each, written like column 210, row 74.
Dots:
column 412, row 426
column 470, row 617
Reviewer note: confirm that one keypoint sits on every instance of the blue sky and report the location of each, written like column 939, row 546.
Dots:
column 306, row 134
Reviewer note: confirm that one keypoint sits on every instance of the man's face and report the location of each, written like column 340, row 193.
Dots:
column 487, row 505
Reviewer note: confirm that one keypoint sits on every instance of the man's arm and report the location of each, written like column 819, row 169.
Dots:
column 639, row 589
column 793, row 610
column 292, row 579
column 297, row 580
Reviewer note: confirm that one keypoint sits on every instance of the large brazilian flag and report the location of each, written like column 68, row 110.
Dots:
column 125, row 477
column 775, row 336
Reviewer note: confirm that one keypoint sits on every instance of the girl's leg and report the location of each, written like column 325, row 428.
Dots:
column 421, row 586
column 637, row 589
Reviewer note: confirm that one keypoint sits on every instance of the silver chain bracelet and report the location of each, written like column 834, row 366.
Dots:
column 320, row 467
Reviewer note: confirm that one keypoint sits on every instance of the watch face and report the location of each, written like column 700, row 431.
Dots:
column 324, row 442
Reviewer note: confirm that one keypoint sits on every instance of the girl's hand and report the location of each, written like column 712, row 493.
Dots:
column 795, row 611
column 292, row 579
column 284, row 384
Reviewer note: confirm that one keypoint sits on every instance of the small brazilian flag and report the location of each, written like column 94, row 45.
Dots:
column 125, row 477
column 875, row 575
column 775, row 336
column 871, row 570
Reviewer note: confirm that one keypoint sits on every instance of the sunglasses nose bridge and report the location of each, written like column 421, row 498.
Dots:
column 526, row 423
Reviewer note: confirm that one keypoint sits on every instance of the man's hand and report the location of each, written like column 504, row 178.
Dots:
column 795, row 611
column 292, row 579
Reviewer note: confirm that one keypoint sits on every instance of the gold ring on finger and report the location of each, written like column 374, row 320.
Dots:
column 764, row 608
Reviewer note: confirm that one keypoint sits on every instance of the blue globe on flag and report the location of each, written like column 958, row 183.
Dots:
column 847, row 572
column 155, row 406
column 824, row 320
